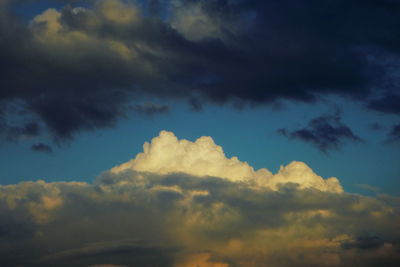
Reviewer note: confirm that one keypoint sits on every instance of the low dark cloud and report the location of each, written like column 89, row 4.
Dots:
column 79, row 69
column 41, row 147
column 125, row 252
column 325, row 132
column 66, row 117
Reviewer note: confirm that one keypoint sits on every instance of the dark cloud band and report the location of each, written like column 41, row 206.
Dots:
column 79, row 68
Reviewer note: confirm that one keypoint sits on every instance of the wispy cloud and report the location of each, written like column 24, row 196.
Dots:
column 41, row 147
column 369, row 187
column 325, row 132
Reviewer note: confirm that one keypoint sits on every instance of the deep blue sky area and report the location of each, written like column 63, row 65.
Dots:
column 83, row 88
column 249, row 134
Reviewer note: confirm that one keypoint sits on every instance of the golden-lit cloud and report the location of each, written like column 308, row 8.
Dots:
column 50, row 21
column 193, row 22
column 166, row 154
column 179, row 204
column 200, row 260
column 53, row 32
column 117, row 11
column 197, row 21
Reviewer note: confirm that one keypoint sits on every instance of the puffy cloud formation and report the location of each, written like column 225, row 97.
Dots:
column 88, row 61
column 166, row 154
column 160, row 211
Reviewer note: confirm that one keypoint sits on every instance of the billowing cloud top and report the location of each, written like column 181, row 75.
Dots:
column 184, row 204
column 166, row 154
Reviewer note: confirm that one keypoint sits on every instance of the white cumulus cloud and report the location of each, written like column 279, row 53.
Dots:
column 166, row 154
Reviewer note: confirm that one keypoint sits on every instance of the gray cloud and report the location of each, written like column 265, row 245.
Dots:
column 135, row 218
column 325, row 132
column 78, row 69
column 125, row 251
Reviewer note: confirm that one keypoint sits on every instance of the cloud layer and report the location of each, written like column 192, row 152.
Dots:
column 160, row 210
column 77, row 68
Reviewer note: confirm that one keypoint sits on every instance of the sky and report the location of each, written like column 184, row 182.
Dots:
column 212, row 133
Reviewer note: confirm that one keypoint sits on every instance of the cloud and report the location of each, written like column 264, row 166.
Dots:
column 200, row 259
column 161, row 217
column 88, row 64
column 369, row 187
column 368, row 242
column 324, row 132
column 166, row 154
column 135, row 251
column 202, row 20
column 40, row 147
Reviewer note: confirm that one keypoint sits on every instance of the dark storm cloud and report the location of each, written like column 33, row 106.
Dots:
column 40, row 147
column 78, row 69
column 325, row 132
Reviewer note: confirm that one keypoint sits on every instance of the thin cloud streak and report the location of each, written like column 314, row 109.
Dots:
column 327, row 133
